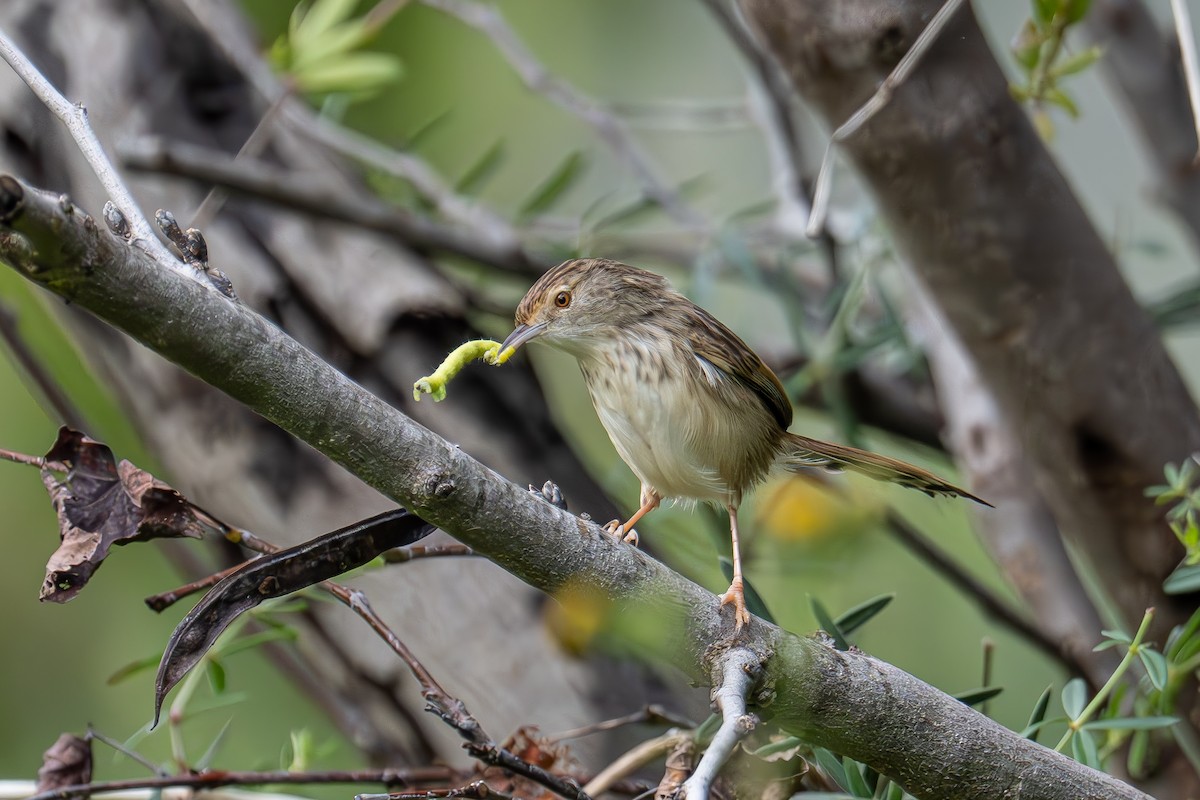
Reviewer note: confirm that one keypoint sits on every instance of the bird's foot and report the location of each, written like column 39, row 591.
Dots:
column 736, row 595
column 616, row 530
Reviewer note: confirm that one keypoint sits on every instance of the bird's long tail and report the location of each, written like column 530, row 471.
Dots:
column 800, row 453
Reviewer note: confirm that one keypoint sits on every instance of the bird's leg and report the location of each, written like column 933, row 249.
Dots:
column 736, row 593
column 650, row 501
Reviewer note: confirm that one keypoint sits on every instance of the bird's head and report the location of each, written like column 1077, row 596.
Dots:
column 581, row 304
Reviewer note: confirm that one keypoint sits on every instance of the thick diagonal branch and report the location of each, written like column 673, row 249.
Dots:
column 845, row 701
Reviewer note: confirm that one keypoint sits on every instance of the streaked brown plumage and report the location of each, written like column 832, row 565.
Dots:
column 688, row 405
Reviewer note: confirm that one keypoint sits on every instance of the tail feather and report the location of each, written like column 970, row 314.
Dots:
column 801, row 452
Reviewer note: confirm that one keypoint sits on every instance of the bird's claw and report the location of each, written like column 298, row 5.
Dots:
column 616, row 530
column 736, row 595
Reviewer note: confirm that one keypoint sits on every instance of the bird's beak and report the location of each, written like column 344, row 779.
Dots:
column 521, row 335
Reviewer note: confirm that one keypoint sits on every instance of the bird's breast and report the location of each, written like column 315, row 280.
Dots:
column 677, row 434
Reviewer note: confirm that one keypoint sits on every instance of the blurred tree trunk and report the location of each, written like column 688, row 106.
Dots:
column 380, row 312
column 991, row 229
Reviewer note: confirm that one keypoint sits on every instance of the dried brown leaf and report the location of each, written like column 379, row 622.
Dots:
column 101, row 503
column 68, row 762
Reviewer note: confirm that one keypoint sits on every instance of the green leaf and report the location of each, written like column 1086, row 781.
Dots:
column 354, row 72
column 1058, row 97
column 551, row 189
column 1078, row 62
column 337, row 42
column 974, row 697
column 253, row 640
column 1039, row 714
column 478, row 174
column 1184, row 580
column 1075, row 10
column 1156, row 666
column 1117, row 636
column 781, row 746
column 1139, row 749
column 832, row 765
column 216, row 675
column 1084, row 749
column 754, row 601
column 827, row 624
column 855, row 618
column 1044, row 10
column 707, row 729
column 1074, row 697
column 855, row 783
column 318, row 18
column 1130, row 724
column 210, row 753
column 133, row 668
column 1182, row 634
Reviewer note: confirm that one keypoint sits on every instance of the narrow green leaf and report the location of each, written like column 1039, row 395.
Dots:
column 827, row 624
column 855, row 618
column 216, row 675
column 320, row 16
column 1075, row 10
column 1130, row 724
column 1078, row 62
column 855, row 783
column 1039, row 714
column 1139, row 749
column 256, row 640
column 553, row 188
column 707, row 729
column 1184, row 580
column 1156, row 666
column 1108, row 644
column 1044, row 10
column 1181, row 635
column 354, row 72
column 1074, row 697
column 210, row 753
column 1063, row 100
column 783, row 745
column 1084, row 749
column 133, row 668
column 974, row 697
column 475, row 176
column 1117, row 636
column 336, row 42
column 832, row 765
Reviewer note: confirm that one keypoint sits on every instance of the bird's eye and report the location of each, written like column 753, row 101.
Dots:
column 562, row 299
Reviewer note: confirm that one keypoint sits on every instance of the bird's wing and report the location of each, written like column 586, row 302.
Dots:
column 720, row 347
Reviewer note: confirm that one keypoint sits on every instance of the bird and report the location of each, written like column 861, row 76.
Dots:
column 690, row 407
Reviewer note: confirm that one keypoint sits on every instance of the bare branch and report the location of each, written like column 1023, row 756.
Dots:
column 877, row 101
column 488, row 20
column 739, row 669
column 259, row 179
column 415, row 776
column 74, row 117
column 635, row 758
column 1191, row 65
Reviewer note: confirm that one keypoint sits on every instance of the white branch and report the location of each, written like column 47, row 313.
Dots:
column 739, row 668
column 1191, row 65
column 882, row 96
column 74, row 118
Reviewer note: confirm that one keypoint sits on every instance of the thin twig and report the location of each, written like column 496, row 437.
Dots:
column 874, row 104
column 635, row 758
column 213, row 780
column 992, row 604
column 651, row 714
column 54, row 395
column 1191, row 64
column 738, row 669
column 33, row 461
column 303, row 193
column 488, row 20
column 121, row 748
column 75, row 118
column 164, row 600
column 476, row 790
column 771, row 104
column 403, row 555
